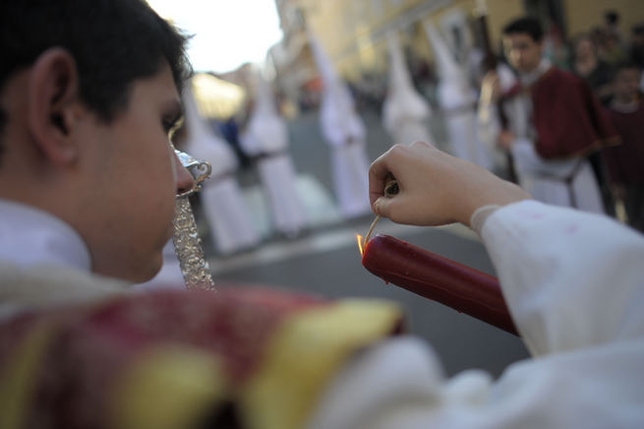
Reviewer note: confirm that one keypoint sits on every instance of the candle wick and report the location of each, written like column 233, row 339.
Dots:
column 373, row 224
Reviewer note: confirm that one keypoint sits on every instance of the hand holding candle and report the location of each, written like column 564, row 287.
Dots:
column 434, row 188
column 434, row 277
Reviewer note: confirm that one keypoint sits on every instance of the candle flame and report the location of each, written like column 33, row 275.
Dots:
column 360, row 244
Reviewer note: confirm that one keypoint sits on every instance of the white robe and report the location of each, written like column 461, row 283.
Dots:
column 30, row 237
column 544, row 179
column 231, row 226
column 457, row 102
column 350, row 165
column 344, row 130
column 574, row 283
column 457, row 98
column 55, row 256
column 267, row 135
column 345, row 133
column 279, row 179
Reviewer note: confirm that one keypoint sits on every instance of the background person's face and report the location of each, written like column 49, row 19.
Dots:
column 584, row 49
column 627, row 83
column 523, row 53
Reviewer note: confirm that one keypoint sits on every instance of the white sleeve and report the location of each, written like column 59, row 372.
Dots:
column 571, row 279
column 398, row 384
column 574, row 283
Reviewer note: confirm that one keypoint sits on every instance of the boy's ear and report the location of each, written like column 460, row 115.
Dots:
column 53, row 95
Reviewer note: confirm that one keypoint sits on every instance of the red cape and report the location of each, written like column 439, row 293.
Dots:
column 568, row 117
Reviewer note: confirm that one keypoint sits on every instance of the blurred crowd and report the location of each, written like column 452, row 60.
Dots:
column 608, row 59
column 596, row 54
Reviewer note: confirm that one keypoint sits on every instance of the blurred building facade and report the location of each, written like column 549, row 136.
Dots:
column 354, row 33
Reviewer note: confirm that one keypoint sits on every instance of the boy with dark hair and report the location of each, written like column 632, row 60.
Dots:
column 554, row 122
column 529, row 26
column 89, row 88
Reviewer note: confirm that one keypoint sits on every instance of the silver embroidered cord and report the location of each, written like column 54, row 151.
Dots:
column 187, row 244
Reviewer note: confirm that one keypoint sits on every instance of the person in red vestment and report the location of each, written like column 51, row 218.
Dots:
column 555, row 123
column 626, row 162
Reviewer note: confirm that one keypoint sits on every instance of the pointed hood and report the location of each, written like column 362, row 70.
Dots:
column 403, row 101
column 398, row 73
column 448, row 68
column 338, row 118
column 201, row 140
column 264, row 99
column 454, row 88
column 322, row 61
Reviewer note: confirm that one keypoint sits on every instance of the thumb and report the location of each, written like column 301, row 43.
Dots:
column 382, row 206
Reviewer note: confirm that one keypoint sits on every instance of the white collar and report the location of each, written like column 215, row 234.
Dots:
column 528, row 79
column 30, row 237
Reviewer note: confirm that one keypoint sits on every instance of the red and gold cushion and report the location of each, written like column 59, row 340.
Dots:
column 180, row 359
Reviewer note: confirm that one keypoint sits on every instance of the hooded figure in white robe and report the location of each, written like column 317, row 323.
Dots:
column 457, row 98
column 224, row 207
column 266, row 139
column 345, row 133
column 405, row 112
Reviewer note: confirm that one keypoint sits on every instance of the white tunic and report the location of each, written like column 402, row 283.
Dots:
column 345, row 132
column 53, row 253
column 267, row 137
column 30, row 237
column 457, row 99
column 578, row 307
column 544, row 179
column 279, row 179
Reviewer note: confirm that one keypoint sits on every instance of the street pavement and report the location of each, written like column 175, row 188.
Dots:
column 325, row 259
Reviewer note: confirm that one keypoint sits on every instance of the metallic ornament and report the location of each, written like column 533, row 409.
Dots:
column 187, row 244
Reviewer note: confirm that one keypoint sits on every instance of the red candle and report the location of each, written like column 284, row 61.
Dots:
column 437, row 278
